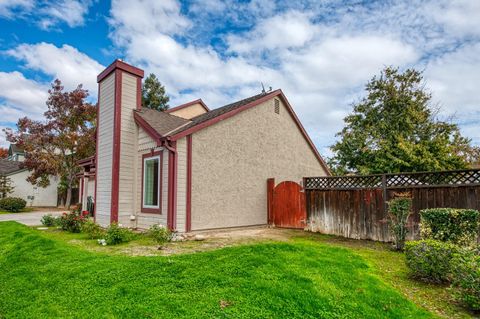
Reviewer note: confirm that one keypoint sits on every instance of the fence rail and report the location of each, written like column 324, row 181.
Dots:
column 398, row 180
column 356, row 206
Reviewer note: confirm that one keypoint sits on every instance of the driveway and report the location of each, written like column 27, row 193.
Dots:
column 29, row 219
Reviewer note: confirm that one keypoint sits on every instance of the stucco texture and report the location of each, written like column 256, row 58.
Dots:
column 232, row 160
column 190, row 111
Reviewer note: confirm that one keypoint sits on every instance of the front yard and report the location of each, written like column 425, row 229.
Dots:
column 301, row 275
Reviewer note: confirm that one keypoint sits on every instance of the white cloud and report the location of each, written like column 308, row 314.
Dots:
column 47, row 13
column 21, row 95
column 8, row 8
column 289, row 30
column 66, row 63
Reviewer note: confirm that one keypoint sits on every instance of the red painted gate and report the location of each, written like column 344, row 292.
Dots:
column 286, row 205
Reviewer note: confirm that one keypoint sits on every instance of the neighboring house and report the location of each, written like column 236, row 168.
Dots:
column 192, row 168
column 16, row 153
column 34, row 195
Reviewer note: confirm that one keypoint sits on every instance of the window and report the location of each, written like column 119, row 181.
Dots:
column 151, row 182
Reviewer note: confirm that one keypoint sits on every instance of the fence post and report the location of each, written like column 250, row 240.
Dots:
column 384, row 190
column 270, row 187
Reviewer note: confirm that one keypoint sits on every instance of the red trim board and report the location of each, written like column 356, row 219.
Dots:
column 182, row 106
column 117, row 120
column 119, row 64
column 160, row 177
column 188, row 221
column 172, row 186
column 146, row 127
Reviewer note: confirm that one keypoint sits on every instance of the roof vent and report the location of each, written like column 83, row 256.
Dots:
column 277, row 106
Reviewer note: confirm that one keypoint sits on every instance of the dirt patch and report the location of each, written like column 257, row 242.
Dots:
column 211, row 240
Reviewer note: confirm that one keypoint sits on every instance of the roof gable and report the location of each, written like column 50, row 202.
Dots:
column 178, row 110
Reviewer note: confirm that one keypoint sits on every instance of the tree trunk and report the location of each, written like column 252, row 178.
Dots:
column 69, row 197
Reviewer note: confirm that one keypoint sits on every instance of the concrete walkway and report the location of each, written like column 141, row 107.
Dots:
column 29, row 219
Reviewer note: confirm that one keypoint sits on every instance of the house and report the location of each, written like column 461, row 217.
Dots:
column 33, row 195
column 191, row 168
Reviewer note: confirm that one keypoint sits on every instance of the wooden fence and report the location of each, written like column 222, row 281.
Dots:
column 356, row 206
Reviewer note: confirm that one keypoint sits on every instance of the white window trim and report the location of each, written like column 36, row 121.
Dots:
column 144, row 180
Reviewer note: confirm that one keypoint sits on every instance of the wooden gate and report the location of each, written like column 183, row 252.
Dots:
column 286, row 205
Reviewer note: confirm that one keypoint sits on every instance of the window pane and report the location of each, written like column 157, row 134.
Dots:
column 150, row 187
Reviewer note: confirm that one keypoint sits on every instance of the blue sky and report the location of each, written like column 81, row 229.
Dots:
column 321, row 53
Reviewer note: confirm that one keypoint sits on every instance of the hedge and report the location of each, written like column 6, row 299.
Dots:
column 430, row 260
column 459, row 226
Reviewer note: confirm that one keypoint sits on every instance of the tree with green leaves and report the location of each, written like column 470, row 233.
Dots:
column 153, row 94
column 395, row 129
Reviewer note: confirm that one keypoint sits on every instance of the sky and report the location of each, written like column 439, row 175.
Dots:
column 320, row 53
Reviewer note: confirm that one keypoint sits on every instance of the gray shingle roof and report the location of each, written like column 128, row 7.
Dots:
column 219, row 111
column 161, row 122
column 7, row 167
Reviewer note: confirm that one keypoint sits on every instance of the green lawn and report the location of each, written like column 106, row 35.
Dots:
column 25, row 210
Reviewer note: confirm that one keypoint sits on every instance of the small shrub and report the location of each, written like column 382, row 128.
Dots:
column 116, row 235
column 48, row 220
column 12, row 204
column 160, row 234
column 430, row 260
column 466, row 277
column 92, row 229
column 459, row 226
column 399, row 210
column 71, row 222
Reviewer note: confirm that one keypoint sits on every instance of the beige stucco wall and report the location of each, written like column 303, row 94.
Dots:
column 190, row 111
column 105, row 150
column 232, row 159
column 145, row 146
column 41, row 196
column 128, row 144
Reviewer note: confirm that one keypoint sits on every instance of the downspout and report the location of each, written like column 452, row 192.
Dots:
column 172, row 181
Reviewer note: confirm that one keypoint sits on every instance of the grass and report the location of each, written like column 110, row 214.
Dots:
column 390, row 267
column 44, row 277
column 25, row 210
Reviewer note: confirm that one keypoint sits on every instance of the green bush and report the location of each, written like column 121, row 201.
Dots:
column 398, row 211
column 49, row 220
column 466, row 277
column 459, row 226
column 92, row 229
column 71, row 222
column 116, row 235
column 12, row 204
column 160, row 234
column 430, row 260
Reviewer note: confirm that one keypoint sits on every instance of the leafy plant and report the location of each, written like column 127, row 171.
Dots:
column 49, row 220
column 430, row 260
column 92, row 229
column 459, row 226
column 12, row 204
column 466, row 277
column 72, row 222
column 6, row 186
column 160, row 234
column 399, row 210
column 395, row 129
column 54, row 145
column 116, row 235
column 153, row 94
